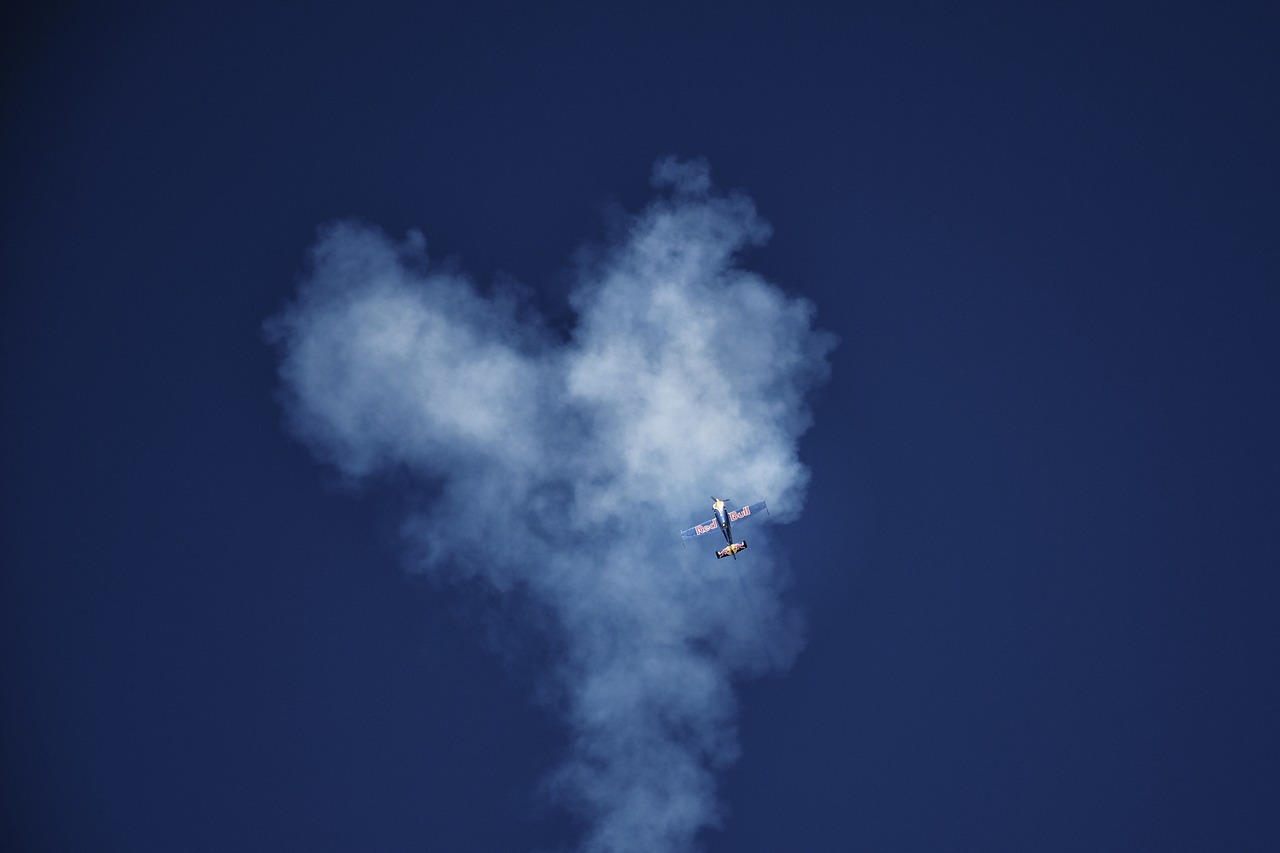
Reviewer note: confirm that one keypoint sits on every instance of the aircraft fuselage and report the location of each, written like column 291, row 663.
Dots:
column 722, row 518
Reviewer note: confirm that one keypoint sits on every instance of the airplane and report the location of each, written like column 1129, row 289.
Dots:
column 723, row 522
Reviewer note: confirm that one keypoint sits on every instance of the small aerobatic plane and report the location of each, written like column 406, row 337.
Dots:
column 723, row 520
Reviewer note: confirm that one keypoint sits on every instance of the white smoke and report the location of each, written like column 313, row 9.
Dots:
column 562, row 472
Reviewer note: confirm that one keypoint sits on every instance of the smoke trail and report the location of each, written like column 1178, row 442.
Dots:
column 562, row 471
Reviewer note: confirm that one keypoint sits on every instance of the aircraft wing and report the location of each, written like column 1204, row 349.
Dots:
column 698, row 530
column 746, row 512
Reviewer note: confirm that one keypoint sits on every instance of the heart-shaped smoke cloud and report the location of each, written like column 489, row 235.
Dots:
column 563, row 471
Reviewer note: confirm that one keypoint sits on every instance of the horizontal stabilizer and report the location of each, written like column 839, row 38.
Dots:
column 731, row 550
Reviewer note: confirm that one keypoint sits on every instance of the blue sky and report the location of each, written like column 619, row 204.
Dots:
column 1036, row 560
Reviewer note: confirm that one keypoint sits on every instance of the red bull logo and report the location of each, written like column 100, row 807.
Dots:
column 741, row 513
column 706, row 528
column 733, row 549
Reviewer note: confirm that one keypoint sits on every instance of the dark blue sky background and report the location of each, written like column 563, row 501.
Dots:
column 1039, row 561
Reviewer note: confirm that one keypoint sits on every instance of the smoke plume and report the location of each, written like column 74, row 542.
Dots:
column 561, row 471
